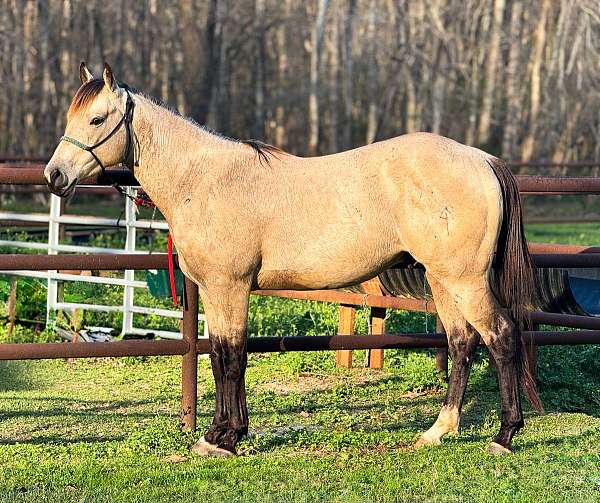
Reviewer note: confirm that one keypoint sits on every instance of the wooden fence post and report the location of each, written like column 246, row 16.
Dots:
column 441, row 355
column 377, row 323
column 343, row 358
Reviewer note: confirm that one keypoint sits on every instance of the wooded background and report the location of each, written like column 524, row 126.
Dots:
column 520, row 79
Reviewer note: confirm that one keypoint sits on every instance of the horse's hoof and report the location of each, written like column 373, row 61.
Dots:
column 496, row 449
column 422, row 442
column 206, row 449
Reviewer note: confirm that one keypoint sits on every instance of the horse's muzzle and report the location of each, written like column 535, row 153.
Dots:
column 57, row 181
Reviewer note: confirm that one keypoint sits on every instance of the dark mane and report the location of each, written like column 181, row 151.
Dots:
column 263, row 150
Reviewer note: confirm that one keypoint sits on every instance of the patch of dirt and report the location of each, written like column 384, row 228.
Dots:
column 307, row 382
column 174, row 458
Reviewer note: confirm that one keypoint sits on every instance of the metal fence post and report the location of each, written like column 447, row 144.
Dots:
column 189, row 366
column 53, row 242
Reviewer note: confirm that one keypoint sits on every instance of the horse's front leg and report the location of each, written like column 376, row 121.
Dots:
column 226, row 311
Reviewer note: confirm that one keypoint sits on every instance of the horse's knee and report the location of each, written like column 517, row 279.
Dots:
column 462, row 343
column 230, row 354
column 500, row 339
column 235, row 368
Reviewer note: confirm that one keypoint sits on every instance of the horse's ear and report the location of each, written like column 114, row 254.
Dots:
column 84, row 73
column 109, row 79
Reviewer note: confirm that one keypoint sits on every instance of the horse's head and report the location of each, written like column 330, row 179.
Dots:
column 97, row 134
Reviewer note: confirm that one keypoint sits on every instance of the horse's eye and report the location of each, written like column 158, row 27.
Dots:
column 97, row 121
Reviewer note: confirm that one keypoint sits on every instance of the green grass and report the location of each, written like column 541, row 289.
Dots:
column 107, row 430
column 587, row 234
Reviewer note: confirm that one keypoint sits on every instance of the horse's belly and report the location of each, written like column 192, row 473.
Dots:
column 324, row 265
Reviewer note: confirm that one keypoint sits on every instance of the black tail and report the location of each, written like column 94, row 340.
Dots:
column 515, row 271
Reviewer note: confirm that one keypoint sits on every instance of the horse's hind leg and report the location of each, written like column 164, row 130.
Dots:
column 226, row 311
column 462, row 341
column 475, row 300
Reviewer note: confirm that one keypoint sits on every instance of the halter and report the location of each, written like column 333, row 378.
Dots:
column 126, row 120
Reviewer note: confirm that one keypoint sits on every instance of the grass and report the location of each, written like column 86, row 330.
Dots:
column 106, row 430
column 588, row 234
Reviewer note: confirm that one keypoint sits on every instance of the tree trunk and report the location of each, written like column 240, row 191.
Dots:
column 372, row 108
column 316, row 40
column 334, row 80
column 477, row 57
column 512, row 84
column 16, row 79
column 348, row 83
column 282, row 74
column 66, row 66
column 30, row 28
column 5, row 56
column 259, row 69
column 491, row 69
column 561, row 149
column 214, row 98
column 539, row 40
column 192, row 45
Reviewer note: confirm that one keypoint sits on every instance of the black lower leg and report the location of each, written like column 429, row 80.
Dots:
column 234, row 396
column 231, row 416
column 218, row 426
column 511, row 414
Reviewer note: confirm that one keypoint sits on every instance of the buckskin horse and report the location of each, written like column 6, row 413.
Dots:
column 244, row 215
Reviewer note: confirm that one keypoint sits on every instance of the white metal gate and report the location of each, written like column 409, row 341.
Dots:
column 53, row 247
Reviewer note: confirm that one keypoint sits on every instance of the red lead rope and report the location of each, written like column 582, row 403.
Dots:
column 171, row 268
column 142, row 199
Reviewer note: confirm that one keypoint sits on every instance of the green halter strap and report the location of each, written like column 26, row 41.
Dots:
column 75, row 142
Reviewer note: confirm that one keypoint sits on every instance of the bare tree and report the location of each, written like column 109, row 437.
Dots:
column 334, row 78
column 348, row 79
column 259, row 69
column 316, row 41
column 512, row 83
column 282, row 78
column 491, row 69
column 539, row 38
column 371, row 51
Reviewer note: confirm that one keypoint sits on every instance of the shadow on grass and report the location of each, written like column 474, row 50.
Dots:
column 95, row 410
column 60, row 440
column 482, row 402
column 17, row 376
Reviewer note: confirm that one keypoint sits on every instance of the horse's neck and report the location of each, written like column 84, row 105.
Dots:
column 176, row 156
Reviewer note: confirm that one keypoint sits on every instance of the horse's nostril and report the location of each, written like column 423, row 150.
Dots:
column 54, row 175
column 58, row 179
